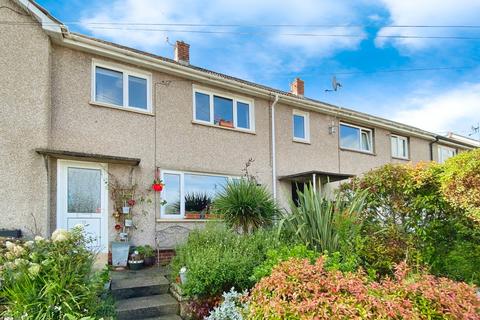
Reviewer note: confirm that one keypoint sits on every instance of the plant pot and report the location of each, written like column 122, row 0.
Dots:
column 225, row 123
column 192, row 215
column 123, row 236
column 149, row 261
column 128, row 222
column 212, row 216
column 126, row 210
column 135, row 265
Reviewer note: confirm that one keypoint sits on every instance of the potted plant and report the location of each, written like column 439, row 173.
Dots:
column 148, row 254
column 157, row 184
column 225, row 123
column 196, row 204
column 136, row 261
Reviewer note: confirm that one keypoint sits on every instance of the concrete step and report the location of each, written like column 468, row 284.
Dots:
column 169, row 317
column 145, row 307
column 139, row 286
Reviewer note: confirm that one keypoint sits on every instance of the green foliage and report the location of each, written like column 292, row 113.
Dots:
column 50, row 279
column 197, row 202
column 245, row 205
column 408, row 217
column 218, row 259
column 146, row 251
column 283, row 253
column 460, row 182
column 323, row 224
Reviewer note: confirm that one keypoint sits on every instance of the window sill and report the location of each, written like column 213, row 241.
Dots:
column 179, row 220
column 301, row 141
column 358, row 151
column 111, row 106
column 224, row 128
column 399, row 158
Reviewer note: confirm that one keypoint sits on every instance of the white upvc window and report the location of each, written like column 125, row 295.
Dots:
column 190, row 192
column 445, row 153
column 356, row 138
column 399, row 146
column 223, row 110
column 121, row 87
column 300, row 126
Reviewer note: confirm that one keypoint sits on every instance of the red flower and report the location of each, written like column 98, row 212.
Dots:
column 118, row 227
column 131, row 202
column 157, row 187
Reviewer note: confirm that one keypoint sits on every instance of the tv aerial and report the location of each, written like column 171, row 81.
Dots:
column 335, row 85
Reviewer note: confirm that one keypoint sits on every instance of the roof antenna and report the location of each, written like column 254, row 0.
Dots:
column 168, row 42
column 335, row 85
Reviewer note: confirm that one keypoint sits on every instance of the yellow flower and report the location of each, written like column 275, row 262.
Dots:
column 9, row 245
column 59, row 235
column 38, row 238
column 34, row 269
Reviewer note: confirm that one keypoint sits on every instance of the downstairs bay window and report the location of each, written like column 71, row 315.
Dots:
column 189, row 195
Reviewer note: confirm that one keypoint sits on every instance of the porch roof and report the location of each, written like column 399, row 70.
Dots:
column 330, row 176
column 92, row 157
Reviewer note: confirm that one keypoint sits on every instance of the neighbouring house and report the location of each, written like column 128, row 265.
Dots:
column 77, row 111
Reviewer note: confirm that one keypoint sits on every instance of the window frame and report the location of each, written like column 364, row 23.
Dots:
column 126, row 72
column 407, row 145
column 368, row 130
column 182, row 174
column 439, row 151
column 234, row 98
column 306, row 127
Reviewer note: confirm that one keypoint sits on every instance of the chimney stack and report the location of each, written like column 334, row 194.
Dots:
column 297, row 87
column 182, row 52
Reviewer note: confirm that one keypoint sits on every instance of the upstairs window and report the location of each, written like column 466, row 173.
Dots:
column 399, row 146
column 222, row 110
column 445, row 153
column 356, row 138
column 124, row 88
column 300, row 122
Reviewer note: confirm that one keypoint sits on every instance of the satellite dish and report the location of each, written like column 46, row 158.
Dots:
column 335, row 85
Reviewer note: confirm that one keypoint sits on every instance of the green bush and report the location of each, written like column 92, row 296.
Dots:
column 408, row 216
column 245, row 205
column 218, row 259
column 51, row 279
column 283, row 253
column 323, row 224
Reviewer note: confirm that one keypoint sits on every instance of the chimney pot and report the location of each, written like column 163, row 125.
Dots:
column 298, row 87
column 182, row 52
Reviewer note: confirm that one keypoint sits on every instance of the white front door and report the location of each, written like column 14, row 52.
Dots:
column 82, row 194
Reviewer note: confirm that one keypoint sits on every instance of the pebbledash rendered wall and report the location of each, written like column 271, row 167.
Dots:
column 45, row 103
column 24, row 121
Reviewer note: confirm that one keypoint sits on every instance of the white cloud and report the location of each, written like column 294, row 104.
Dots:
column 427, row 12
column 450, row 110
column 245, row 12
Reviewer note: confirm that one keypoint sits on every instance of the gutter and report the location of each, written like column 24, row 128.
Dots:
column 139, row 59
column 274, row 157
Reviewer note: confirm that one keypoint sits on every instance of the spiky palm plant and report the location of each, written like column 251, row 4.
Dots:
column 315, row 219
column 245, row 205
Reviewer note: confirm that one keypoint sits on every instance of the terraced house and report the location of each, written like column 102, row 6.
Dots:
column 78, row 111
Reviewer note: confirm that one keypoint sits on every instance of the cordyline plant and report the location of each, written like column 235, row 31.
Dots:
column 316, row 220
column 296, row 289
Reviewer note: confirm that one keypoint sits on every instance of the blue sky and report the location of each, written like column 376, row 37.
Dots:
column 436, row 100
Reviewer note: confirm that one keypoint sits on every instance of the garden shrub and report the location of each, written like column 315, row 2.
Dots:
column 407, row 216
column 233, row 307
column 460, row 182
column 218, row 259
column 323, row 224
column 246, row 205
column 296, row 289
column 275, row 256
column 51, row 279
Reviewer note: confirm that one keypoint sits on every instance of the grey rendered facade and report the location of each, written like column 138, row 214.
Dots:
column 48, row 116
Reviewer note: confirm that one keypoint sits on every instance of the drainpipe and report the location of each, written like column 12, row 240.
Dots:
column 274, row 158
column 431, row 148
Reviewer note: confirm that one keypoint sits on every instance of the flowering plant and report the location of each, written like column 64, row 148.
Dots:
column 29, row 271
column 157, row 184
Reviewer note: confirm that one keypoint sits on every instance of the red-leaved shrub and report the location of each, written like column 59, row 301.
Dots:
column 297, row 289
